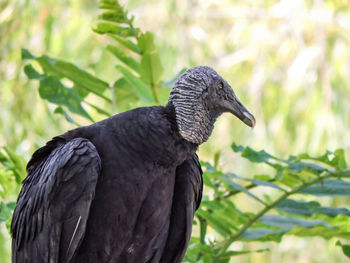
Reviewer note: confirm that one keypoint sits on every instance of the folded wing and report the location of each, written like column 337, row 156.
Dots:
column 52, row 209
column 186, row 200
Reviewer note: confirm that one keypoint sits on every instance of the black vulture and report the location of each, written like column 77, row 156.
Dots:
column 124, row 189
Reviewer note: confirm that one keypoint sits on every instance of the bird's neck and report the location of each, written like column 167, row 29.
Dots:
column 195, row 124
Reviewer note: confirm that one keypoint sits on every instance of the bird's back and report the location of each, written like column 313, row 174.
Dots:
column 130, row 214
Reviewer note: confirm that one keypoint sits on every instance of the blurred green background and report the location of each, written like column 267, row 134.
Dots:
column 288, row 62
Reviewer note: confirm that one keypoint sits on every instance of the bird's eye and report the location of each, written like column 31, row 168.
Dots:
column 220, row 86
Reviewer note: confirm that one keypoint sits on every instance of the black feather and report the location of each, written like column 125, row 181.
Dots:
column 121, row 190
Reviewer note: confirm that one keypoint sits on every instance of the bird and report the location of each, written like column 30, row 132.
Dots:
column 124, row 189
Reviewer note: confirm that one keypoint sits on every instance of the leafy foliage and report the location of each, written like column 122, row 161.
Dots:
column 139, row 68
column 12, row 172
column 283, row 196
column 283, row 212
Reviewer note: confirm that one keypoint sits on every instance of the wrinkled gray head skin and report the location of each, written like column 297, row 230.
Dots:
column 199, row 97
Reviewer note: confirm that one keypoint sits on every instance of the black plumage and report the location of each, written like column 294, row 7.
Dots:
column 122, row 190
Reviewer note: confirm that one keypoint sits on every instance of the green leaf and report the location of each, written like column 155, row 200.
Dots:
column 114, row 16
column 287, row 222
column 222, row 227
column 299, row 166
column 11, row 205
column 217, row 158
column 329, row 187
column 60, row 110
column 237, row 148
column 124, row 94
column 146, row 42
column 108, row 28
column 235, row 186
column 258, row 182
column 265, row 234
column 25, row 54
column 80, row 78
column 263, row 177
column 31, row 72
column 8, row 182
column 290, row 179
column 16, row 164
column 98, row 109
column 115, row 13
column 140, row 88
column 5, row 212
column 129, row 61
column 55, row 92
column 339, row 159
column 336, row 159
column 345, row 248
column 252, row 155
column 127, row 43
column 196, row 250
column 309, row 208
column 151, row 70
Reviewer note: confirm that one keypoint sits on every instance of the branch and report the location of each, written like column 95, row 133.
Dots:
column 226, row 243
column 250, row 186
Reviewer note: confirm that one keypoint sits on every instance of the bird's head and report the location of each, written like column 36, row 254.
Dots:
column 199, row 96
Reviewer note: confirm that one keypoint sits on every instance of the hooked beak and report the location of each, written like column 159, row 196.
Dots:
column 236, row 108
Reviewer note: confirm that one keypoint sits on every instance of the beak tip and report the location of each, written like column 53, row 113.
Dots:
column 249, row 119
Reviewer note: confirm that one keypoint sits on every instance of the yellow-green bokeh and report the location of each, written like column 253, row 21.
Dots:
column 288, row 62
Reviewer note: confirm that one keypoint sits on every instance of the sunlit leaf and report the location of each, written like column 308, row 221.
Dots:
column 127, row 43
column 108, row 28
column 16, row 163
column 140, row 88
column 98, row 109
column 151, row 70
column 339, row 159
column 128, row 61
column 146, row 42
column 114, row 16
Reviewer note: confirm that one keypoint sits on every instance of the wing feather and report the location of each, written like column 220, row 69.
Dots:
column 186, row 200
column 53, row 206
